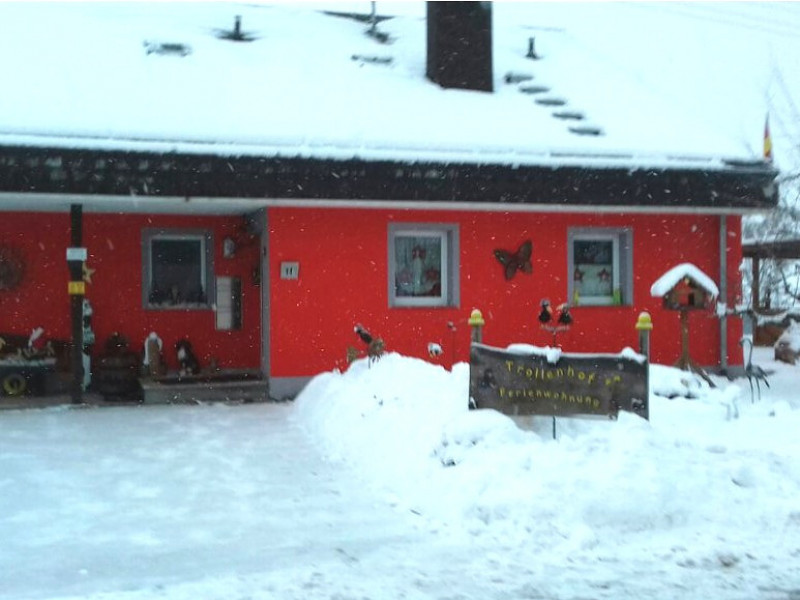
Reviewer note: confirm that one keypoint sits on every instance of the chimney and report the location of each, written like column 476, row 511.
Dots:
column 460, row 45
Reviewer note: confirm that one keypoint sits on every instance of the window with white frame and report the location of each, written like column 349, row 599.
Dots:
column 423, row 263
column 177, row 268
column 600, row 266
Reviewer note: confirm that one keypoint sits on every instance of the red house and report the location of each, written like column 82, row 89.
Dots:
column 260, row 179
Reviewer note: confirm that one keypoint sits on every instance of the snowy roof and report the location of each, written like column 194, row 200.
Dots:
column 156, row 76
column 671, row 278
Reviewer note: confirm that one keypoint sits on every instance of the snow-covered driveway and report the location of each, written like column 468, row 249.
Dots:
column 180, row 502
column 210, row 503
column 236, row 503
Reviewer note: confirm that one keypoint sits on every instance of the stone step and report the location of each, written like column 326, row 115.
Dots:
column 192, row 392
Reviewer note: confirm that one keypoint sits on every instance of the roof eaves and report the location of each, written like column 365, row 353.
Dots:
column 57, row 170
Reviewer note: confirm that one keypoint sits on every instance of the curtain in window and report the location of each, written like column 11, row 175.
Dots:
column 418, row 266
column 594, row 268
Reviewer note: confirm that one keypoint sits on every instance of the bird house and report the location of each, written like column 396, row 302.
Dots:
column 685, row 287
column 687, row 294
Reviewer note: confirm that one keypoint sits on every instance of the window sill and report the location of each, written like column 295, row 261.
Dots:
column 422, row 306
column 599, row 305
column 419, row 302
column 185, row 306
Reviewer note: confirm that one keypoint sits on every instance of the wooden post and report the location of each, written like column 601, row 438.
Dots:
column 76, row 294
column 756, row 283
column 684, row 361
column 476, row 324
column 756, row 298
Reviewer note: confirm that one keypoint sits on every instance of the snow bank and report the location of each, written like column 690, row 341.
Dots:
column 791, row 337
column 389, row 414
column 694, row 472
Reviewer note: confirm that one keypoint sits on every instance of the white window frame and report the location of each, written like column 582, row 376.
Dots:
column 206, row 265
column 448, row 239
column 621, row 264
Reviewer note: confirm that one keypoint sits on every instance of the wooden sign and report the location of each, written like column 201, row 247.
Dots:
column 576, row 384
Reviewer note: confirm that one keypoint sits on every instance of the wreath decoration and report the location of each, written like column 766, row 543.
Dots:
column 12, row 267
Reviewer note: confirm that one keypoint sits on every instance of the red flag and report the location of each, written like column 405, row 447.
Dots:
column 767, row 142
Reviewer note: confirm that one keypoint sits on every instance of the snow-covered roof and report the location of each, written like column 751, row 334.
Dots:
column 310, row 84
column 671, row 278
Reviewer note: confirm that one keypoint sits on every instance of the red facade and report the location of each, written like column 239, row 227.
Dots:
column 343, row 280
column 114, row 247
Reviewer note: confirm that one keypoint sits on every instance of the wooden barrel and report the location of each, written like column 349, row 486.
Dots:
column 116, row 377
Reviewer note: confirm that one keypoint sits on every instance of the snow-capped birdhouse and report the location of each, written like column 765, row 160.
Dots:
column 685, row 287
column 687, row 294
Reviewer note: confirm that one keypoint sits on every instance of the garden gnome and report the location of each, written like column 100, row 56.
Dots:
column 153, row 360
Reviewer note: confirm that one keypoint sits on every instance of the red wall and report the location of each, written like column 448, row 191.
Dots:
column 343, row 280
column 114, row 246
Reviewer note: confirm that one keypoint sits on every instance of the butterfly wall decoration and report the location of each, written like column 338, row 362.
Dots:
column 517, row 261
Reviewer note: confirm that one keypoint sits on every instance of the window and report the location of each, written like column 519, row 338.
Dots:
column 600, row 267
column 177, row 268
column 423, row 263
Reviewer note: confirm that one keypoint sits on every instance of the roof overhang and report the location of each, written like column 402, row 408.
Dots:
column 782, row 249
column 198, row 205
column 169, row 181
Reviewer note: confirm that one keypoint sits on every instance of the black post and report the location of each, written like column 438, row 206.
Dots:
column 76, row 293
column 531, row 49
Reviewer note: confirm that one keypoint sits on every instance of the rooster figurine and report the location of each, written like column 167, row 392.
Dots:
column 546, row 314
column 365, row 335
column 375, row 346
column 564, row 318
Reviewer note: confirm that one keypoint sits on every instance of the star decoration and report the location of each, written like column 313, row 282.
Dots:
column 578, row 276
column 604, row 275
column 87, row 273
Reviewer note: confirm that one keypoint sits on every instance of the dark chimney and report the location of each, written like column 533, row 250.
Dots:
column 460, row 45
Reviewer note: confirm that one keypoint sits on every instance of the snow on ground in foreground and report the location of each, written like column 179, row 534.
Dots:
column 226, row 502
column 694, row 487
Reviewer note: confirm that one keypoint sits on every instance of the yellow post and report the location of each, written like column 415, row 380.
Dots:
column 476, row 323
column 644, row 325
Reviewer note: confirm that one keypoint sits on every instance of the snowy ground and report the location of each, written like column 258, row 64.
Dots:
column 378, row 483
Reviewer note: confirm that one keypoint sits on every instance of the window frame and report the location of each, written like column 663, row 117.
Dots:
column 149, row 235
column 448, row 236
column 622, row 263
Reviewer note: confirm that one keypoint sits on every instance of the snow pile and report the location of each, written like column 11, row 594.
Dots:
column 791, row 337
column 670, row 383
column 695, row 484
column 370, row 409
column 552, row 355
